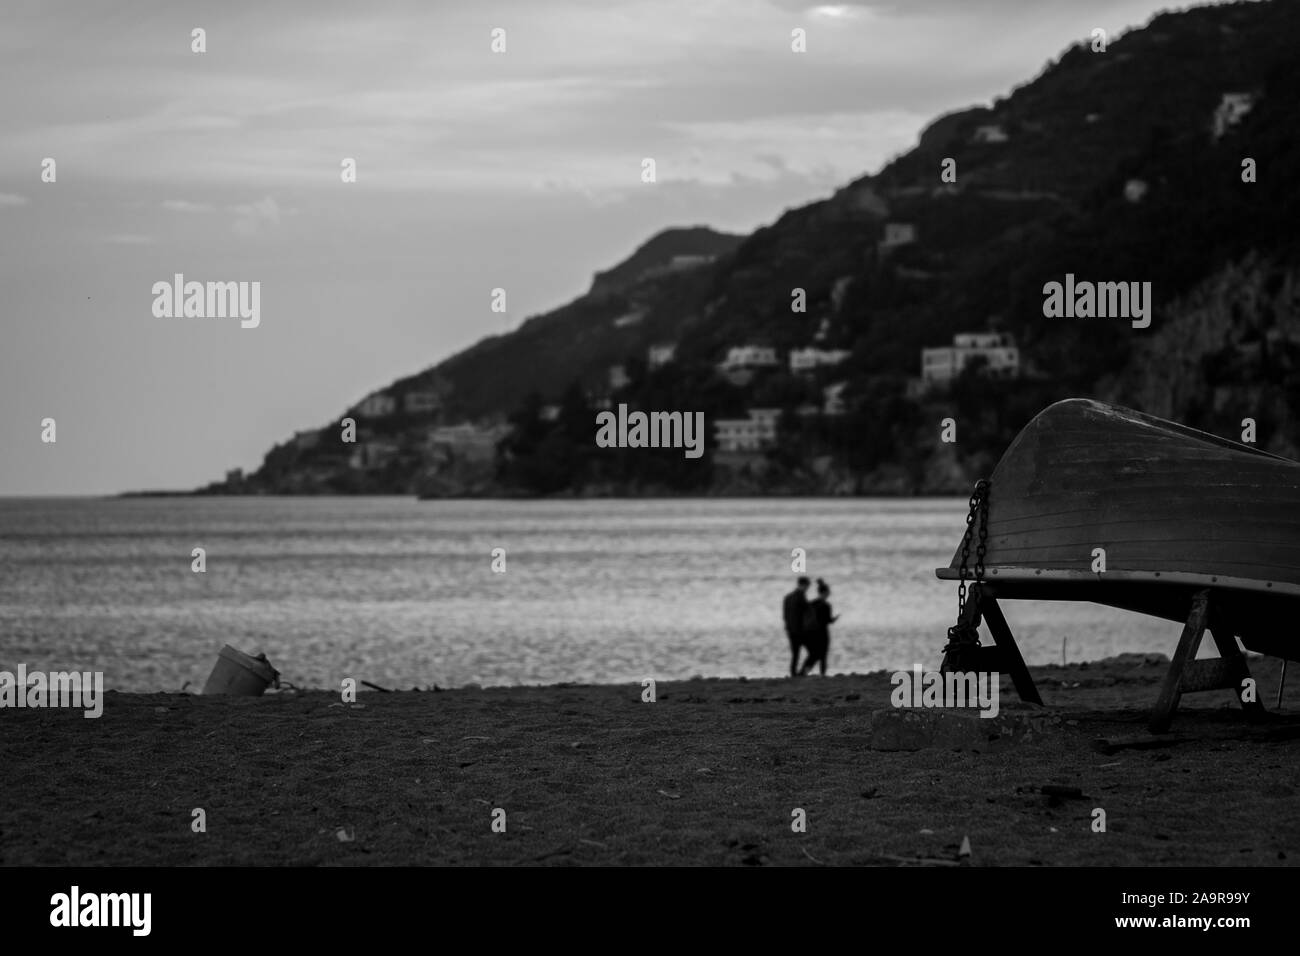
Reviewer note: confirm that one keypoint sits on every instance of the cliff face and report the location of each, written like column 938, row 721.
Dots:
column 1226, row 351
column 1123, row 166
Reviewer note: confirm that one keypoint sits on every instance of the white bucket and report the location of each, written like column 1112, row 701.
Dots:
column 239, row 674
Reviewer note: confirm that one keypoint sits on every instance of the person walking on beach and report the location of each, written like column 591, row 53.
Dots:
column 793, row 609
column 818, row 635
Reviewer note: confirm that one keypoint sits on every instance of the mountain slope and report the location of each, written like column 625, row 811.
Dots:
column 1106, row 166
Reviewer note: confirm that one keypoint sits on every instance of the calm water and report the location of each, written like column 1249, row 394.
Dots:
column 401, row 592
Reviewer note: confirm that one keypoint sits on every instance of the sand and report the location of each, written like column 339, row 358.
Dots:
column 710, row 774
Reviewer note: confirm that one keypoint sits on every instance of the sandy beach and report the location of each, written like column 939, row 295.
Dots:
column 708, row 774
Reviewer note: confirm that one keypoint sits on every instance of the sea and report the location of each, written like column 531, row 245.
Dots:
column 403, row 593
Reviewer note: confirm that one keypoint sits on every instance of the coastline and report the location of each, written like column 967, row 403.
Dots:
column 708, row 774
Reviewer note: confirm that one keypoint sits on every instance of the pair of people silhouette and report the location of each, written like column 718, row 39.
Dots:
column 808, row 625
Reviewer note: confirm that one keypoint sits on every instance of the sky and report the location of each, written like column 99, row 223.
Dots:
column 475, row 170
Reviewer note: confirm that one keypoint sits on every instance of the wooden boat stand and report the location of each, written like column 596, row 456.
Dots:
column 1186, row 675
column 1005, row 657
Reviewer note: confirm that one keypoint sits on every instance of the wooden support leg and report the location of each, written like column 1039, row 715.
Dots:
column 1008, row 650
column 1172, row 691
column 1237, row 671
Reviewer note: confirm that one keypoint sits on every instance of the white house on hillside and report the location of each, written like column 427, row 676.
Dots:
column 833, row 399
column 897, row 234
column 376, row 405
column 990, row 133
column 805, row 360
column 373, row 454
column 1135, row 189
column 939, row 366
column 1230, row 110
column 755, row 433
column 681, row 263
column 661, row 354
column 421, row 403
column 465, row 441
column 750, row 356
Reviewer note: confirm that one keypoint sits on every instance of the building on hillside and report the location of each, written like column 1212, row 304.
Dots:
column 983, row 340
column 896, row 234
column 862, row 199
column 755, row 433
column 373, row 454
column 549, row 413
column 375, row 405
column 940, row 366
column 421, row 403
column 833, row 399
column 838, row 291
column 629, row 318
column 806, row 360
column 618, row 377
column 465, row 442
column 990, row 133
column 680, row 263
column 750, row 356
column 1135, row 189
column 661, row 354
column 1230, row 111
column 305, row 440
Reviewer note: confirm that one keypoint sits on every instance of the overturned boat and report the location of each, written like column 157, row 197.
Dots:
column 1093, row 502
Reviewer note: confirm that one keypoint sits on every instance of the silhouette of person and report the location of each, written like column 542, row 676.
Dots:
column 818, row 636
column 792, row 609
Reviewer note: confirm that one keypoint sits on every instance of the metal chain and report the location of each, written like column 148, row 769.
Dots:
column 979, row 506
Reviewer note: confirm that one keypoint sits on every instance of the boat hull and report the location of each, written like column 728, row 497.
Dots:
column 1172, row 509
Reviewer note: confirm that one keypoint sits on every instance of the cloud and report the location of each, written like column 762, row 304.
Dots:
column 12, row 199
column 836, row 12
column 251, row 217
column 129, row 239
column 184, row 205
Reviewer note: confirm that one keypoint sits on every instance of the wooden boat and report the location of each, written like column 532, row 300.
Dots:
column 1194, row 528
column 1175, row 510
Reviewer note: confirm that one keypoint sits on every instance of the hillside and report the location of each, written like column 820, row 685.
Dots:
column 1107, row 166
